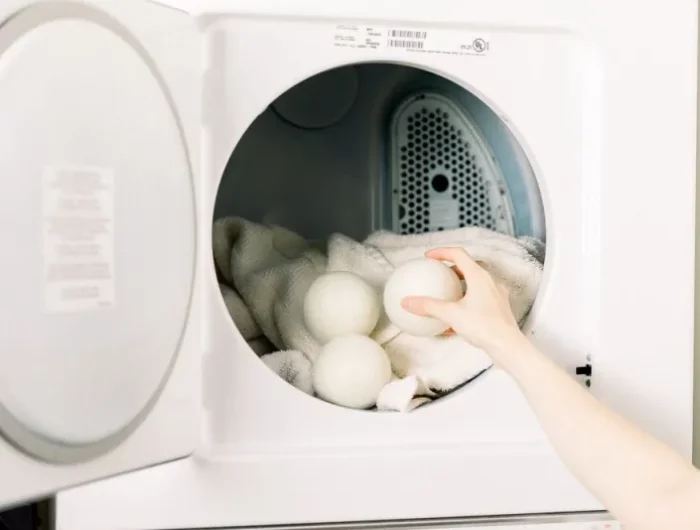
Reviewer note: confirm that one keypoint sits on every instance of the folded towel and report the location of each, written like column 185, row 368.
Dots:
column 266, row 271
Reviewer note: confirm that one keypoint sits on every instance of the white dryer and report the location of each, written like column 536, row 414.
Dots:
column 128, row 126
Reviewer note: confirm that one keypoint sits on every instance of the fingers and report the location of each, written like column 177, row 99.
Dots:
column 424, row 306
column 463, row 261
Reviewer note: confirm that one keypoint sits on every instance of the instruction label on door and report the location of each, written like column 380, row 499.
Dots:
column 78, row 238
column 411, row 40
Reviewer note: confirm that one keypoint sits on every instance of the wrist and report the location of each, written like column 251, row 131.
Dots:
column 511, row 350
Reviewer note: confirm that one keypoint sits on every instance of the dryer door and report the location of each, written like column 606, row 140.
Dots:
column 97, row 253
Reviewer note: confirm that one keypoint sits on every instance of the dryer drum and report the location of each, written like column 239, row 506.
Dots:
column 358, row 150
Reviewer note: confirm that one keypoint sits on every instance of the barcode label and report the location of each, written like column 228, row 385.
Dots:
column 415, row 40
column 406, row 34
column 415, row 44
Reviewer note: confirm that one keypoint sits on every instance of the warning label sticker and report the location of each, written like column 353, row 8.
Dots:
column 78, row 236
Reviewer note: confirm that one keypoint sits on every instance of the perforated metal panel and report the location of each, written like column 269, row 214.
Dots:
column 443, row 173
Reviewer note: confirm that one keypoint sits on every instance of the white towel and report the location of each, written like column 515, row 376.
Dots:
column 265, row 272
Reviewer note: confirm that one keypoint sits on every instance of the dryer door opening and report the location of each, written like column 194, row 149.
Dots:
column 358, row 151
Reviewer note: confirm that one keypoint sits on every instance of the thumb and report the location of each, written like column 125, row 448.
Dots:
column 424, row 306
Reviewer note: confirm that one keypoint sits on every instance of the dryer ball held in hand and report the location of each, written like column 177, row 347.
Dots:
column 350, row 371
column 420, row 277
column 340, row 303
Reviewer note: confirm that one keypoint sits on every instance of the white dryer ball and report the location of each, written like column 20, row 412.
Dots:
column 341, row 303
column 351, row 371
column 420, row 277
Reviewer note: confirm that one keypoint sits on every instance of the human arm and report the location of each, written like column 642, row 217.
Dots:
column 641, row 481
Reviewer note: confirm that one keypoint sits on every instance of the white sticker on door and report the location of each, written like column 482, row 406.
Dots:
column 78, row 238
column 411, row 40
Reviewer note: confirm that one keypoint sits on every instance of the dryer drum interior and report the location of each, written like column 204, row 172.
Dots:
column 373, row 147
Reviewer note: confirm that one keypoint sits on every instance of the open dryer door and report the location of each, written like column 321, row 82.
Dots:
column 98, row 335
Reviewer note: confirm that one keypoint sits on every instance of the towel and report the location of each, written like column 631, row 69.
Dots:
column 265, row 272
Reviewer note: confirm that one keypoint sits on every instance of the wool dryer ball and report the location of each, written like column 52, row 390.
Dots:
column 420, row 277
column 341, row 303
column 351, row 371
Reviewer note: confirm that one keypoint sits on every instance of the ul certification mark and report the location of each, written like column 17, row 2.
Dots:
column 478, row 46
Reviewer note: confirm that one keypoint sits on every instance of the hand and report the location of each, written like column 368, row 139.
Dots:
column 483, row 316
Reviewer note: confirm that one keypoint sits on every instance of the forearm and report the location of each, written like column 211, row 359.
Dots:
column 637, row 477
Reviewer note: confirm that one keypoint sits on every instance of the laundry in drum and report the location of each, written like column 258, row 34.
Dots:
column 266, row 272
column 321, row 203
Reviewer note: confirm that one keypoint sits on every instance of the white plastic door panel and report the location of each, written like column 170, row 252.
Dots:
column 99, row 337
